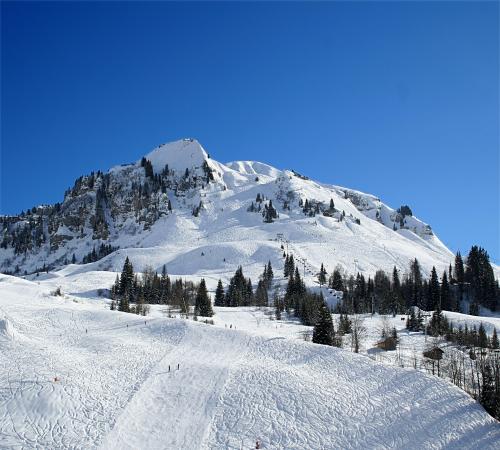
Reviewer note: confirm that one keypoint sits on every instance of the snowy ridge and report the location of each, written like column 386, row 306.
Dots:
column 81, row 376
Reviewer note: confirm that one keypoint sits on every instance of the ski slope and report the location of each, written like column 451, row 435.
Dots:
column 75, row 375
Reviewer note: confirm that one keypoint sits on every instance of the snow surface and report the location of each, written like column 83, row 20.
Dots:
column 78, row 375
column 6, row 329
column 179, row 155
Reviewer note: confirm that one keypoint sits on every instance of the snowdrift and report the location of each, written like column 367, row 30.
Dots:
column 6, row 329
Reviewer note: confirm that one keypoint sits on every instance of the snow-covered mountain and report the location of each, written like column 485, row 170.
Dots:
column 179, row 207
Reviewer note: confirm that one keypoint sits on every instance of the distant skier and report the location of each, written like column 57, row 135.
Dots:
column 257, row 444
column 178, row 366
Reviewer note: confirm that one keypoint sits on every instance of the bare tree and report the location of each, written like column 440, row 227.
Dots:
column 385, row 329
column 358, row 332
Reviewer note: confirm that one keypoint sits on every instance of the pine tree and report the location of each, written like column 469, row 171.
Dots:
column 436, row 324
column 445, row 293
column 139, row 306
column 126, row 279
column 278, row 307
column 482, row 340
column 480, row 275
column 269, row 213
column 494, row 340
column 345, row 324
column 219, row 295
column 123, row 304
column 261, row 297
column 269, row 275
column 459, row 268
column 488, row 397
column 203, row 305
column 415, row 321
column 286, row 269
column 239, row 291
column 115, row 289
column 434, row 298
column 474, row 308
column 248, row 293
column 415, row 284
column 291, row 264
column 322, row 275
column 336, row 281
column 324, row 332
column 398, row 300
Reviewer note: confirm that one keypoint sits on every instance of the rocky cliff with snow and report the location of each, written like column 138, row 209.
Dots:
column 179, row 207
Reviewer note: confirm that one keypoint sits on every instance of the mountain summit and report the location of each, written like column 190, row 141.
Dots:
column 179, row 207
column 178, row 155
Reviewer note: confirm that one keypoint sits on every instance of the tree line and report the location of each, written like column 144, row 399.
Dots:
column 132, row 293
column 471, row 281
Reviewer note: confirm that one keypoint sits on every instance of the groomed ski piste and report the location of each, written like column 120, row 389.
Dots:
column 75, row 375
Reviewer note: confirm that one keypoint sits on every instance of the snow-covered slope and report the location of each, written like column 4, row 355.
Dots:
column 76, row 375
column 203, row 223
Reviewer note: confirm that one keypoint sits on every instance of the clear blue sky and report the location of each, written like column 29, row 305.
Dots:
column 397, row 99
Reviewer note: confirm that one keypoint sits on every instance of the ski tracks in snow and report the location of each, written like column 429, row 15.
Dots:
column 174, row 408
column 321, row 398
column 114, row 389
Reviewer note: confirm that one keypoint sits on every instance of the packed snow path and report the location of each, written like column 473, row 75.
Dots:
column 75, row 375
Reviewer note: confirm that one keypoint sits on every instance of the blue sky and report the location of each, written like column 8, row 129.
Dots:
column 399, row 99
